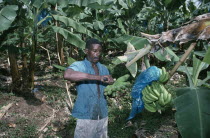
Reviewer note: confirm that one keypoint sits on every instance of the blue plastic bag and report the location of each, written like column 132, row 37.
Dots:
column 44, row 13
column 145, row 78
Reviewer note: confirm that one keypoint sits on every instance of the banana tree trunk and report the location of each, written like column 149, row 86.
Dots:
column 59, row 41
column 32, row 66
column 33, row 52
column 16, row 80
column 24, row 72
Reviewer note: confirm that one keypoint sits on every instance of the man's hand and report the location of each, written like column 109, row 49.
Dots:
column 107, row 79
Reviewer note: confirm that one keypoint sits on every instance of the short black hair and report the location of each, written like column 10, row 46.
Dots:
column 91, row 41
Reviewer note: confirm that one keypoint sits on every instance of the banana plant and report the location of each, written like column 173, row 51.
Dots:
column 193, row 72
column 7, row 16
column 192, row 112
column 70, row 60
column 207, row 56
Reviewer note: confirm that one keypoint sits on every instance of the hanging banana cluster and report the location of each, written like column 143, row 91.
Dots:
column 155, row 96
column 119, row 86
column 164, row 75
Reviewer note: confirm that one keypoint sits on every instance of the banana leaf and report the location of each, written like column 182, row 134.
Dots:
column 70, row 37
column 207, row 57
column 96, row 4
column 7, row 16
column 137, row 42
column 193, row 72
column 133, row 69
column 98, row 25
column 70, row 60
column 166, row 55
column 193, row 112
column 77, row 26
column 198, row 65
column 59, row 67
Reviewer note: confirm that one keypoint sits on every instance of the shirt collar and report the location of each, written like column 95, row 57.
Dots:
column 89, row 63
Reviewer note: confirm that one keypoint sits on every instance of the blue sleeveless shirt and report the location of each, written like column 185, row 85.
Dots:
column 88, row 105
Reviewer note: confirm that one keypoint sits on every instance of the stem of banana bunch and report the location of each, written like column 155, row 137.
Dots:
column 183, row 58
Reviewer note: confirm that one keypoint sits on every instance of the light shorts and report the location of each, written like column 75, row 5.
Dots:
column 87, row 128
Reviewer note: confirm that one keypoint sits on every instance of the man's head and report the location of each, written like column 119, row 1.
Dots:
column 93, row 50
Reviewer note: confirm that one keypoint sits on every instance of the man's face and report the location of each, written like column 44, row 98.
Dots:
column 93, row 54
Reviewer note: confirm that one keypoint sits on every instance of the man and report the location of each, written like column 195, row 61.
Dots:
column 91, row 78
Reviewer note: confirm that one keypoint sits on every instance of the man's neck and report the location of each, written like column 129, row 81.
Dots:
column 93, row 64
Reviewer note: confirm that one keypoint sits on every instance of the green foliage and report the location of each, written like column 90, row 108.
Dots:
column 193, row 72
column 207, row 56
column 70, row 37
column 7, row 16
column 59, row 67
column 92, row 3
column 166, row 55
column 117, row 70
column 137, row 42
column 192, row 115
column 70, row 60
column 76, row 25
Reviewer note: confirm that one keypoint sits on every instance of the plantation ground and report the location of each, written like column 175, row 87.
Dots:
column 47, row 114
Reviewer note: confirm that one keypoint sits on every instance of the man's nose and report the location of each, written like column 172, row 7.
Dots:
column 97, row 54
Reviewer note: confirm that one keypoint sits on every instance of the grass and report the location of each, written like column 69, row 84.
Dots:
column 19, row 128
column 149, row 122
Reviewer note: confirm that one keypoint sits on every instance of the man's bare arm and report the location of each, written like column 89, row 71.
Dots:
column 75, row 76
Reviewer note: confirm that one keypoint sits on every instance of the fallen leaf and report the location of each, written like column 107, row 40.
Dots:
column 12, row 125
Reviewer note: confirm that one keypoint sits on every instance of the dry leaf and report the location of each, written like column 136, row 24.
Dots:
column 12, row 125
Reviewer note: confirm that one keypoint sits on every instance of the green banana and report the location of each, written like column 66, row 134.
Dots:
column 123, row 78
column 144, row 92
column 156, row 93
column 114, row 94
column 146, row 100
column 150, row 98
column 149, row 89
column 163, row 70
column 166, row 77
column 153, row 104
column 164, row 91
column 155, row 89
column 160, row 71
column 161, row 100
column 109, row 92
column 150, row 95
column 168, row 100
column 149, row 108
column 162, row 77
column 156, row 96
column 156, row 86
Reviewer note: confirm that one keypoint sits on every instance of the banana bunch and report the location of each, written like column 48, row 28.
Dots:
column 164, row 75
column 155, row 97
column 120, row 85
